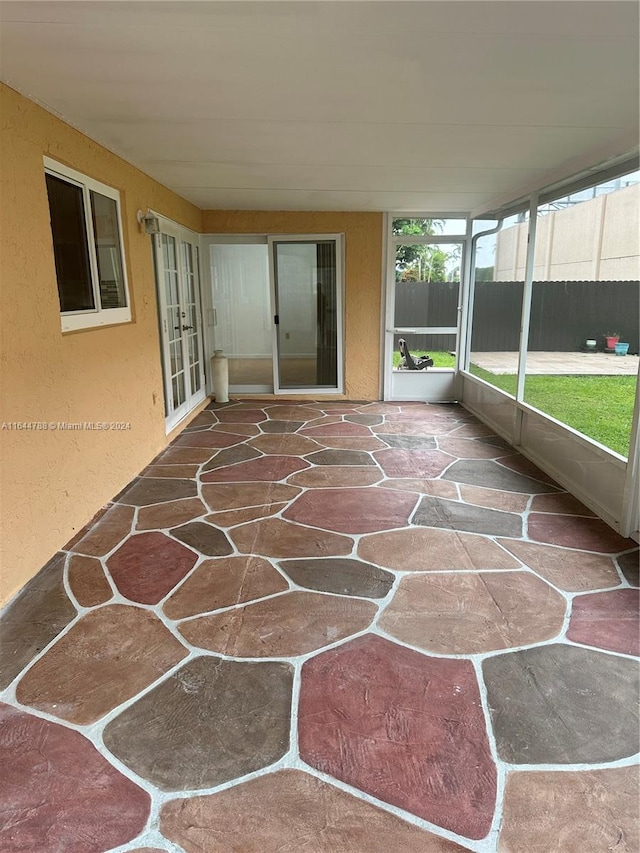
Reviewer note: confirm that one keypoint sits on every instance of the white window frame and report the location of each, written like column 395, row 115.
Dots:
column 72, row 321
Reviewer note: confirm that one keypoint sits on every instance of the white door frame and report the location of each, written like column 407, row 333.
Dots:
column 435, row 384
column 309, row 238
column 210, row 309
column 181, row 235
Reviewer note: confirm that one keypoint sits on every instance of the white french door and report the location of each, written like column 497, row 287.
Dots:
column 178, row 286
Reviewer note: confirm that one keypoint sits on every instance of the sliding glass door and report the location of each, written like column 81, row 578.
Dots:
column 274, row 306
column 306, row 272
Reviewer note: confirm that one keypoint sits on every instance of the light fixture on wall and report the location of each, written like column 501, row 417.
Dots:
column 150, row 222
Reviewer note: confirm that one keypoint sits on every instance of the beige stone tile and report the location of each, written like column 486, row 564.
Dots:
column 428, row 550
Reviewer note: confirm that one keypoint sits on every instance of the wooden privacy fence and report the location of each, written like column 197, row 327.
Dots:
column 564, row 314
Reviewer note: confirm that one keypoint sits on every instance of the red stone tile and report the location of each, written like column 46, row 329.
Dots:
column 284, row 444
column 88, row 582
column 293, row 413
column 630, row 566
column 361, row 510
column 337, row 408
column 102, row 537
column 146, row 491
column 494, row 498
column 146, row 850
column 223, row 583
column 571, row 812
column 178, row 471
column 275, row 537
column 588, row 534
column 291, row 810
column 241, row 416
column 473, row 613
column 288, row 625
column 573, row 571
column 403, row 727
column 358, row 443
column 339, row 429
column 226, row 496
column 424, row 486
column 107, row 657
column 464, row 448
column 237, row 429
column 562, row 502
column 379, row 408
column 412, row 463
column 33, row 619
column 169, row 514
column 58, row 794
column 240, row 516
column 204, row 419
column 148, row 566
column 422, row 550
column 403, row 426
column 473, row 430
column 267, row 468
column 330, row 476
column 323, row 420
column 209, row 438
column 607, row 620
column 519, row 463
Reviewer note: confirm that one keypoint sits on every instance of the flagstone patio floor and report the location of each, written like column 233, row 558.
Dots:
column 340, row 627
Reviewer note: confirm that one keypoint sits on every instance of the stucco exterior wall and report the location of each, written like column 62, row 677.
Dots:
column 363, row 282
column 53, row 482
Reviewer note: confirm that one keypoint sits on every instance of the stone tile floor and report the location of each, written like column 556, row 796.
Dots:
column 327, row 627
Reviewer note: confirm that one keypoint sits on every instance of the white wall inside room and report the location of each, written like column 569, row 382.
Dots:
column 241, row 299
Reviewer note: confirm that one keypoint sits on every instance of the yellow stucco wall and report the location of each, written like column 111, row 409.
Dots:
column 53, row 482
column 363, row 271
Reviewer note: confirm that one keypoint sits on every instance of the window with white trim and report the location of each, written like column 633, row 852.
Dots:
column 87, row 245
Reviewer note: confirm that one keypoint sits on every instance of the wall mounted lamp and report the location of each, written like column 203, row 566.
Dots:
column 150, row 222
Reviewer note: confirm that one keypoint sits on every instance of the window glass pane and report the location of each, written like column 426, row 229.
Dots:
column 498, row 281
column 71, row 251
column 585, row 294
column 428, row 227
column 104, row 212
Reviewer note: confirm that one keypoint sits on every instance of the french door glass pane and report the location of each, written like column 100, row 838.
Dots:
column 306, row 283
column 190, row 316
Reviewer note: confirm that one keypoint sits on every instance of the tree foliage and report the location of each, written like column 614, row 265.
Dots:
column 419, row 262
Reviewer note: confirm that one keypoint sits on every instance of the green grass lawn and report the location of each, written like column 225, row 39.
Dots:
column 440, row 359
column 600, row 407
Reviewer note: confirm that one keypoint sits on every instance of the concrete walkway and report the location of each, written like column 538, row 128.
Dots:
column 569, row 363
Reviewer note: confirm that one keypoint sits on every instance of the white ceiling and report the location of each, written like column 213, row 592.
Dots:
column 407, row 106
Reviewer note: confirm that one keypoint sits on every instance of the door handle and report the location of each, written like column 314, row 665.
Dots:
column 184, row 328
